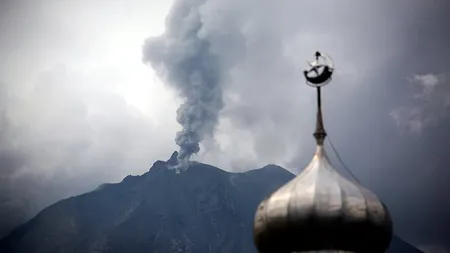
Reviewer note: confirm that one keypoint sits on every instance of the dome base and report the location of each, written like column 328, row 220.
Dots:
column 333, row 237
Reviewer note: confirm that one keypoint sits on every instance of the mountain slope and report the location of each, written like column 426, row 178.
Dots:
column 203, row 209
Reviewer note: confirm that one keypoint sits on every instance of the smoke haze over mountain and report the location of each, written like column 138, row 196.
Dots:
column 185, row 57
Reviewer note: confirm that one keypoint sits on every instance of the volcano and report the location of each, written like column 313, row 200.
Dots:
column 203, row 209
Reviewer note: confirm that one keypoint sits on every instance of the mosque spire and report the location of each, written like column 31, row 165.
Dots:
column 317, row 81
column 320, row 132
column 321, row 210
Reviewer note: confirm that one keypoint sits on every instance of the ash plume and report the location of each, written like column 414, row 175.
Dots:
column 184, row 59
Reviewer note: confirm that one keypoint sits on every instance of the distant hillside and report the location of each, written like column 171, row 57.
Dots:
column 203, row 209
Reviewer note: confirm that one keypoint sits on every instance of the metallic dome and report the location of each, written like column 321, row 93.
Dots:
column 320, row 210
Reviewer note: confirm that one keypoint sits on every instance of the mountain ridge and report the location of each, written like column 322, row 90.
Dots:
column 203, row 209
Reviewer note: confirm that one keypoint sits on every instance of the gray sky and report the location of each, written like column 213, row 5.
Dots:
column 79, row 108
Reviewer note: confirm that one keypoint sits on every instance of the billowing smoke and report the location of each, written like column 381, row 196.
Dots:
column 184, row 59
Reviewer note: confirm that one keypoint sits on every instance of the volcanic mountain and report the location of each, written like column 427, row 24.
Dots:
column 203, row 209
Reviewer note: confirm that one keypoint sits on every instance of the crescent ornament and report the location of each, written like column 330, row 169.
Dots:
column 320, row 71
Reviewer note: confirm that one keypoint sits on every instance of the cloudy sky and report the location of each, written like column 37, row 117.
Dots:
column 83, row 103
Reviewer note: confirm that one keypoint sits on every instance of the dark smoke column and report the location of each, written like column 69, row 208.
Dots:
column 182, row 57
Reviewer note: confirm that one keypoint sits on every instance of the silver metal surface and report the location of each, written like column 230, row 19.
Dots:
column 322, row 210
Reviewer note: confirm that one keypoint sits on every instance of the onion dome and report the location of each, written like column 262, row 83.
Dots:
column 321, row 210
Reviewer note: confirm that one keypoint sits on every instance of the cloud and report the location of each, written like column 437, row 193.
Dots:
column 430, row 103
column 268, row 107
column 70, row 133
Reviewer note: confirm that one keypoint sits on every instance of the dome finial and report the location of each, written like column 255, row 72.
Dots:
column 323, row 71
